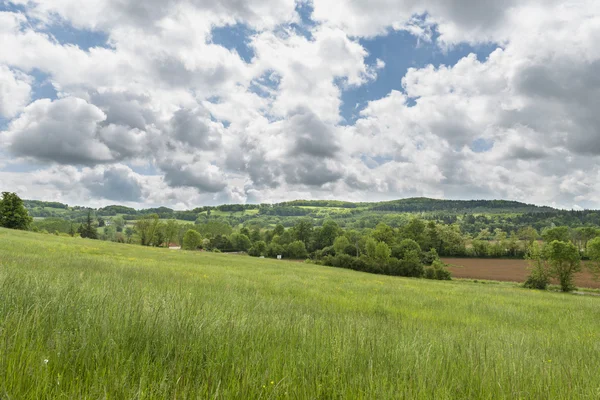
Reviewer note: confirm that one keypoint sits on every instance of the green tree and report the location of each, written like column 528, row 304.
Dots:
column 539, row 277
column 529, row 234
column 129, row 233
column 110, row 233
column 559, row 233
column 240, row 242
column 382, row 252
column 278, row 230
column 565, row 261
column 119, row 223
column 327, row 234
column 88, row 229
column 404, row 246
column 593, row 253
column 13, row 214
column 146, row 228
column 171, row 229
column 259, row 248
column 296, row 250
column 303, row 230
column 384, row 233
column 371, row 247
column 340, row 244
column 191, row 240
column 415, row 230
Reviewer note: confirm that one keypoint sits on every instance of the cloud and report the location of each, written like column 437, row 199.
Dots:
column 520, row 124
column 15, row 91
column 62, row 131
column 194, row 128
column 115, row 182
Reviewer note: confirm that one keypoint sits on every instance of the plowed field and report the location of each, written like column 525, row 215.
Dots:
column 503, row 270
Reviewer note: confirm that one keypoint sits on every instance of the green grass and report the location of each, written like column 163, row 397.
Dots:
column 125, row 322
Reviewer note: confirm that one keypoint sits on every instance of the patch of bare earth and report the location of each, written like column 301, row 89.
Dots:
column 504, row 270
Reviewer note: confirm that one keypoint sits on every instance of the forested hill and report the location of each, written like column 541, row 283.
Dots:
column 471, row 215
column 410, row 205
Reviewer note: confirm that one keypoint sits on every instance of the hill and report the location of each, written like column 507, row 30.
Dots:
column 89, row 319
column 472, row 215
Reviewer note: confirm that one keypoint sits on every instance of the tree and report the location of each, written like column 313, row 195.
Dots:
column 13, row 214
column 539, row 278
column 593, row 252
column 101, row 222
column 327, row 234
column 384, row 233
column 296, row 250
column 411, row 265
column 159, row 235
column 303, row 230
column 340, row 244
column 258, row 249
column 528, row 234
column 278, row 230
column 171, row 230
column 415, row 230
column 146, row 228
column 88, row 229
column 371, row 247
column 240, row 242
column 110, row 233
column 404, row 246
column 565, row 261
column 382, row 252
column 129, row 233
column 559, row 233
column 191, row 240
column 119, row 223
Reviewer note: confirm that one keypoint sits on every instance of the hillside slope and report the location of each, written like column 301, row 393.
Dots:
column 93, row 319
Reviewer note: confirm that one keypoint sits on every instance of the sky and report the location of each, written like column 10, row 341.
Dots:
column 184, row 103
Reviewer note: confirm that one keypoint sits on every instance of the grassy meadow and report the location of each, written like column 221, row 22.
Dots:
column 90, row 319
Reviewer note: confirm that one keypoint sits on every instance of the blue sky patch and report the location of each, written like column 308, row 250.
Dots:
column 235, row 37
column 400, row 50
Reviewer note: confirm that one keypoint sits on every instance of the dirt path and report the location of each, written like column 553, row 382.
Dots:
column 504, row 270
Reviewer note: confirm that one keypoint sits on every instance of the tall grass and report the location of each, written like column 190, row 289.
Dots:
column 89, row 319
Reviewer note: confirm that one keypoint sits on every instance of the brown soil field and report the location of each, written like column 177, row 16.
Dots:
column 504, row 270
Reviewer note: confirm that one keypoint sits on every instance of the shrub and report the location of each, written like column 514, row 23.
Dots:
column 258, row 249
column 411, row 265
column 406, row 245
column 539, row 278
column 437, row 271
column 296, row 250
column 274, row 249
column 191, row 240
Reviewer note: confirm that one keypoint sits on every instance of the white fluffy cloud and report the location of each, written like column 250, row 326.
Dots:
column 213, row 127
column 15, row 91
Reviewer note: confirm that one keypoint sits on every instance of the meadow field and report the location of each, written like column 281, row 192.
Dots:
column 90, row 319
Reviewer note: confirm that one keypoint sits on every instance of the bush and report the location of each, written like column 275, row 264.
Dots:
column 258, row 249
column 191, row 240
column 296, row 250
column 539, row 278
column 405, row 246
column 274, row 249
column 438, row 271
column 411, row 265
column 428, row 257
column 342, row 261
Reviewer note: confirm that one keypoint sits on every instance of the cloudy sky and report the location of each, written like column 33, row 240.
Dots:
column 195, row 102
